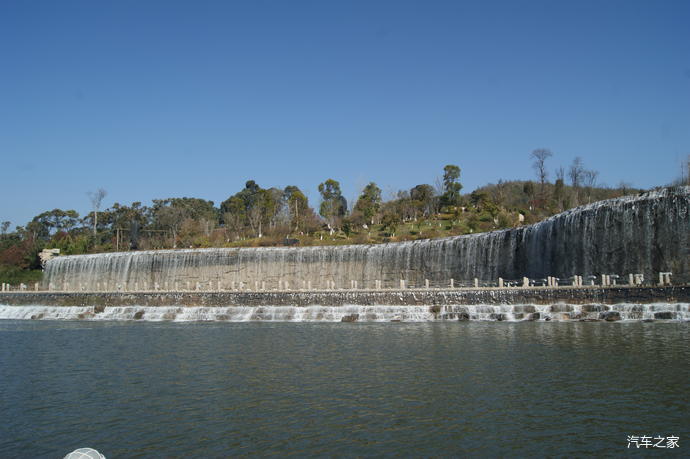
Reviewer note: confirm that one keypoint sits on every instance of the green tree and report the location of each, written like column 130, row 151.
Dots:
column 369, row 202
column 390, row 222
column 424, row 198
column 297, row 204
column 47, row 223
column 333, row 204
column 451, row 186
column 528, row 189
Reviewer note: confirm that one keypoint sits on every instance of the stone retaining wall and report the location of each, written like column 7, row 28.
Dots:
column 538, row 295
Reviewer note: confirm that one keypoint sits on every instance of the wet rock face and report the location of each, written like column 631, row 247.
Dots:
column 610, row 316
column 639, row 234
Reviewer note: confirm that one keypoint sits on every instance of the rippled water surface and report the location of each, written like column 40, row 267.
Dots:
column 169, row 389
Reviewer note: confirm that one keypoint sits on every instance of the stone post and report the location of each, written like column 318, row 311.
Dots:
column 355, row 285
column 287, row 285
column 668, row 278
column 661, row 279
column 451, row 283
column 36, row 287
column 308, row 285
column 402, row 284
column 525, row 282
column 500, row 282
column 426, row 283
column 476, row 283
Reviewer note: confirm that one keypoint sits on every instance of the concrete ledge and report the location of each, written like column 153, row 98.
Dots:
column 536, row 295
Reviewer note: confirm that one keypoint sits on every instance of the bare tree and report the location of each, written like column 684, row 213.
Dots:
column 576, row 172
column 540, row 155
column 4, row 226
column 589, row 178
column 96, row 198
column 560, row 174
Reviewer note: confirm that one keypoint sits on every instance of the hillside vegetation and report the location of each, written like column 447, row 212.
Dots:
column 257, row 216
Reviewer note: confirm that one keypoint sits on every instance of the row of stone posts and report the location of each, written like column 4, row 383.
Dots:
column 605, row 280
column 22, row 287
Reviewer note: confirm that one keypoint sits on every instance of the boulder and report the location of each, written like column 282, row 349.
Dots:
column 664, row 315
column 350, row 318
column 499, row 317
column 610, row 316
column 138, row 315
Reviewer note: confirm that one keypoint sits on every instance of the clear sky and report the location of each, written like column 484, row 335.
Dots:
column 192, row 98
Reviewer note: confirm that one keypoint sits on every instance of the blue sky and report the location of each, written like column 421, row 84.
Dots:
column 170, row 99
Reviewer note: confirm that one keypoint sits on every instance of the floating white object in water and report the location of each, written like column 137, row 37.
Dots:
column 85, row 453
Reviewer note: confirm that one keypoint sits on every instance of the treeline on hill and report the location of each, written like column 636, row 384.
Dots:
column 257, row 216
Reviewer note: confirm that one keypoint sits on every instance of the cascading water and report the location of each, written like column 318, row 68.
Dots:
column 509, row 313
column 645, row 234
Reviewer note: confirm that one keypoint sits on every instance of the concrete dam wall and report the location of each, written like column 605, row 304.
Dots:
column 645, row 234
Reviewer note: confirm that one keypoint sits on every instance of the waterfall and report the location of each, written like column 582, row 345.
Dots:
column 353, row 313
column 647, row 233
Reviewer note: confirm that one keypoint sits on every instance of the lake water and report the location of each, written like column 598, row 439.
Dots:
column 423, row 389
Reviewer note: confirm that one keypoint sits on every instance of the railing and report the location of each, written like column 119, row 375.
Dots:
column 603, row 280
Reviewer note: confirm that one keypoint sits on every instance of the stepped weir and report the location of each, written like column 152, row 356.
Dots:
column 646, row 234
